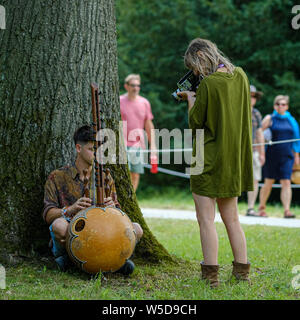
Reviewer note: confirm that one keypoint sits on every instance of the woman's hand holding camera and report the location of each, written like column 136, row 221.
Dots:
column 185, row 95
column 189, row 96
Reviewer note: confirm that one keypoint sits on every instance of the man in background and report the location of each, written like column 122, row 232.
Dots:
column 258, row 151
column 137, row 116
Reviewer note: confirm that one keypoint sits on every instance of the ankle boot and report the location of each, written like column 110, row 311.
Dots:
column 210, row 274
column 241, row 271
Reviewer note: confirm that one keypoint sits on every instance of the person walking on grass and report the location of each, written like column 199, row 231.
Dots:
column 136, row 115
column 221, row 106
column 280, row 158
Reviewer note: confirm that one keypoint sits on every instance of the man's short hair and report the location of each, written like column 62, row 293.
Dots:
column 83, row 135
column 132, row 77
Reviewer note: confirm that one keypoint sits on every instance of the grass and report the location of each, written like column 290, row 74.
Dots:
column 173, row 198
column 273, row 253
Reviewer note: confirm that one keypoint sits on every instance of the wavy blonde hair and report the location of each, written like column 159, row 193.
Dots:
column 203, row 56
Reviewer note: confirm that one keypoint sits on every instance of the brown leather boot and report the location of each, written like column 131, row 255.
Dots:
column 241, row 271
column 210, row 274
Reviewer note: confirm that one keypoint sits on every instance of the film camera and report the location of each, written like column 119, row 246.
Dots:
column 189, row 82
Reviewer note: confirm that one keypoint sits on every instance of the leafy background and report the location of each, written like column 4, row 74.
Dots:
column 256, row 35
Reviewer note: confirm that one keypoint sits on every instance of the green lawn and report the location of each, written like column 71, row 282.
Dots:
column 273, row 252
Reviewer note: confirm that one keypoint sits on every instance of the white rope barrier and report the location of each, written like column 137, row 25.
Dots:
column 270, row 143
column 278, row 185
column 187, row 176
column 170, row 172
column 275, row 142
column 160, row 150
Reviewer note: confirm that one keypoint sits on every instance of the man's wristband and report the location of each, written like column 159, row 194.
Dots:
column 64, row 212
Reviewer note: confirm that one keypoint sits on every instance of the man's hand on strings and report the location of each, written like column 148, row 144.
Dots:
column 109, row 202
column 80, row 204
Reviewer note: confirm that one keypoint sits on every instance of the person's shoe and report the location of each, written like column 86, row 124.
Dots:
column 210, row 274
column 262, row 212
column 251, row 213
column 63, row 262
column 127, row 268
column 241, row 271
column 288, row 214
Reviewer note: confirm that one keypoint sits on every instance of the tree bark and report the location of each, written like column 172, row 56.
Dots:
column 51, row 50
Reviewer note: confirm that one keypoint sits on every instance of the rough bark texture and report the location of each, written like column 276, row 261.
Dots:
column 51, row 51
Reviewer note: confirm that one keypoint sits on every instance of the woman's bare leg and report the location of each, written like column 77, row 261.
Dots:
column 205, row 209
column 265, row 192
column 286, row 193
column 229, row 214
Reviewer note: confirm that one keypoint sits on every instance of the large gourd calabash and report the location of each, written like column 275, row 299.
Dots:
column 100, row 239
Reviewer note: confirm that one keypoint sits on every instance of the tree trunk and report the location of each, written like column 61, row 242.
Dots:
column 51, row 50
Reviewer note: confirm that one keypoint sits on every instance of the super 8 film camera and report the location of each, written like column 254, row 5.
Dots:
column 189, row 82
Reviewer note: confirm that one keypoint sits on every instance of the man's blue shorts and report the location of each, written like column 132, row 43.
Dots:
column 135, row 160
column 57, row 249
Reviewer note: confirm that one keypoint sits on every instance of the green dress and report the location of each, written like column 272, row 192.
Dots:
column 222, row 108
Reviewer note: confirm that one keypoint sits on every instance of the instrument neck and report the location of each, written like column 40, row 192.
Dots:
column 81, row 166
column 97, row 145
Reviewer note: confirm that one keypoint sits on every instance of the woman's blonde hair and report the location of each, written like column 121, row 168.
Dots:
column 281, row 97
column 210, row 58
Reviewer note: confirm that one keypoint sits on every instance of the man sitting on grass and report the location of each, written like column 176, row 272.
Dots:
column 64, row 198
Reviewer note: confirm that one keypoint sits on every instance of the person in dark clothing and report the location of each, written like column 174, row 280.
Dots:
column 280, row 158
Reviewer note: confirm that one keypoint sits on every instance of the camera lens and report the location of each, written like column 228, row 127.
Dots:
column 175, row 96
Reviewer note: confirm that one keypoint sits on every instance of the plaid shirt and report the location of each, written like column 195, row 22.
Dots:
column 63, row 188
column 256, row 123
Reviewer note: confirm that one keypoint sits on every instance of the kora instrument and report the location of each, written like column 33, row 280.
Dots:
column 99, row 238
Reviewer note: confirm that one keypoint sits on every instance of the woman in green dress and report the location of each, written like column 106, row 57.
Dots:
column 220, row 107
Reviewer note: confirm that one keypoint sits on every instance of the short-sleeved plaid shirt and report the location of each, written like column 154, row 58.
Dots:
column 256, row 122
column 63, row 188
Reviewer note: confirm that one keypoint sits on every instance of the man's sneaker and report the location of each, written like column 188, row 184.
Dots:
column 127, row 268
